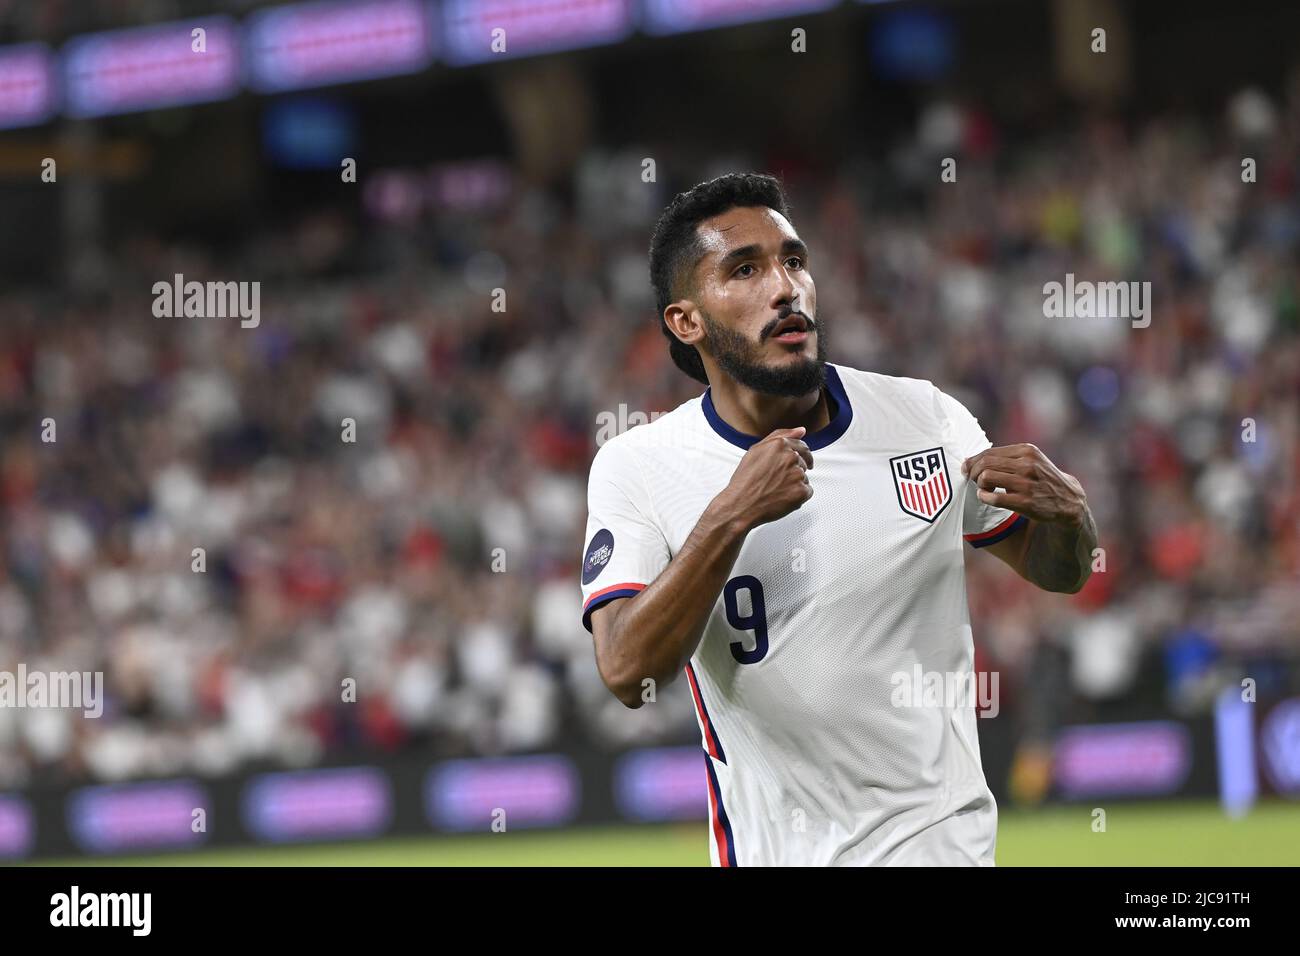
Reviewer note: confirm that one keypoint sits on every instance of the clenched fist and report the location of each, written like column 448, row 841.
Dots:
column 1034, row 486
column 772, row 479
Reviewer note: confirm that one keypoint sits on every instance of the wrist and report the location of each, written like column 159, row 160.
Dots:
column 727, row 514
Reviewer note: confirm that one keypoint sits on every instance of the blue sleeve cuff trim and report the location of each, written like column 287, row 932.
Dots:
column 1002, row 535
column 605, row 599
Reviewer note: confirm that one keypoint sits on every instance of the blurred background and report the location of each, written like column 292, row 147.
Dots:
column 432, row 563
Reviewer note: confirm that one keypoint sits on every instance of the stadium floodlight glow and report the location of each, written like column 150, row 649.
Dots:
column 17, row 832
column 144, row 68
column 326, row 804
column 662, row 783
column 154, row 815
column 1234, row 737
column 479, row 30
column 28, row 85
column 683, row 16
column 542, row 790
column 335, row 41
column 308, row 132
column 1145, row 758
column 1280, row 745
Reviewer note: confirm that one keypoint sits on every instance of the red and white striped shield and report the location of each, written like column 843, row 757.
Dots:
column 921, row 480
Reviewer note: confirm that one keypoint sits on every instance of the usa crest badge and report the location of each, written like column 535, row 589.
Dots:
column 921, row 481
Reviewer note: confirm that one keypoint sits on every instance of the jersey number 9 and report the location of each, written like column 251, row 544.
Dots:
column 755, row 620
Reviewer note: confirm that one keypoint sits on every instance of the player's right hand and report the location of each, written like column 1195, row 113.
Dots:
column 771, row 480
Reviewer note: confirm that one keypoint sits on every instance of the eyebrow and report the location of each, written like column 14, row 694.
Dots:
column 741, row 253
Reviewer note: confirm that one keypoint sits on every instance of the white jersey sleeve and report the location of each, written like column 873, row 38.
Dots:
column 626, row 548
column 982, row 524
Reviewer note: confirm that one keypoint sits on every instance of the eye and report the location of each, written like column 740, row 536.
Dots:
column 798, row 263
column 740, row 271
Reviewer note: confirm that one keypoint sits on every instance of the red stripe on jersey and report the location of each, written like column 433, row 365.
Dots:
column 711, row 743
column 715, row 818
column 613, row 587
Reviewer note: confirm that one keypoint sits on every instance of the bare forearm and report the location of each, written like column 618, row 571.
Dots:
column 656, row 632
column 1058, row 557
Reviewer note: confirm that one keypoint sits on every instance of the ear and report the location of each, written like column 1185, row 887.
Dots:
column 683, row 320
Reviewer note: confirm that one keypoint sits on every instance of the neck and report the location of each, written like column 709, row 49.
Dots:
column 759, row 414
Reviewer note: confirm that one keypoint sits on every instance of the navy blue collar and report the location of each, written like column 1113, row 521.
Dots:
column 839, row 423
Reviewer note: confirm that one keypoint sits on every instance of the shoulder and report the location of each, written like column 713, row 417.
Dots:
column 888, row 389
column 917, row 401
column 629, row 439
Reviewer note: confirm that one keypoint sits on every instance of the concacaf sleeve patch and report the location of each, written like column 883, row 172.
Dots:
column 599, row 552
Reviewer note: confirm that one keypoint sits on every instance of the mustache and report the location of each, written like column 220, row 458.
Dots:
column 781, row 317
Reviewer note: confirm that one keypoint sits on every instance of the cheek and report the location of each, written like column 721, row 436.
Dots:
column 810, row 295
column 738, row 295
column 739, row 305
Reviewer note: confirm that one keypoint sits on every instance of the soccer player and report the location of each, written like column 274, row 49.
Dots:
column 792, row 540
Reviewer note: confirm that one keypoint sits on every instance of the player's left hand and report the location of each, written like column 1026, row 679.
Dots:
column 1034, row 487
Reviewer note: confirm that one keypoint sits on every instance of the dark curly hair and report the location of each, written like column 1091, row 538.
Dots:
column 675, row 247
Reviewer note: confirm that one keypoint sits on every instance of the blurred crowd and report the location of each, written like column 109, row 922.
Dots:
column 259, row 582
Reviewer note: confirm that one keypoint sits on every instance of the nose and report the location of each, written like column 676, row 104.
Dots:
column 785, row 293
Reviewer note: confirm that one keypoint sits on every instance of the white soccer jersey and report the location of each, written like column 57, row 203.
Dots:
column 809, row 760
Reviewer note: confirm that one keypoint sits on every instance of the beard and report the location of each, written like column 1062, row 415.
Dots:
column 742, row 360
